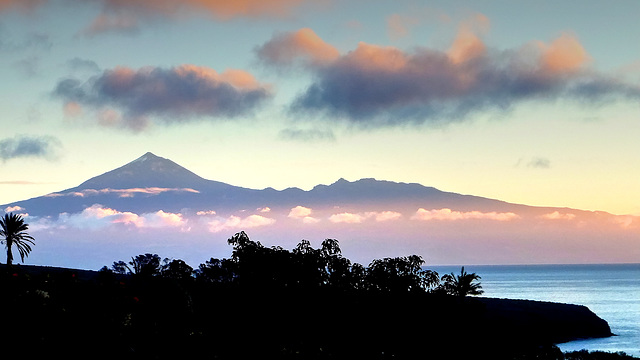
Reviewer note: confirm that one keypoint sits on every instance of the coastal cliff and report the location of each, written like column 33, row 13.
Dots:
column 527, row 321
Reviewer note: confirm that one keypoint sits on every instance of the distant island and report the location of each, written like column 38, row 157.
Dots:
column 268, row 302
column 125, row 211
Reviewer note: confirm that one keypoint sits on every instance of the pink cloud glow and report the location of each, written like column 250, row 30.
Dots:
column 556, row 215
column 123, row 192
column 450, row 215
column 304, row 44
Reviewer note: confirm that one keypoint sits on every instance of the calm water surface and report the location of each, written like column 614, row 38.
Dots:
column 612, row 291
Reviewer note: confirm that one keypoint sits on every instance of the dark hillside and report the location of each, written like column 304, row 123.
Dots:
column 74, row 313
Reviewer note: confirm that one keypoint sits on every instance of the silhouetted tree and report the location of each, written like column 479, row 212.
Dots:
column 143, row 265
column 176, row 269
column 462, row 285
column 217, row 271
column 400, row 274
column 14, row 230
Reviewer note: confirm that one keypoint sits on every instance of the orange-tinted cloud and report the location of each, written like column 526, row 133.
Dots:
column 219, row 9
column 302, row 45
column 376, row 86
column 72, row 109
column 125, row 15
column 556, row 215
column 136, row 98
column 122, row 23
column 398, row 25
column 563, row 55
column 467, row 44
column 25, row 5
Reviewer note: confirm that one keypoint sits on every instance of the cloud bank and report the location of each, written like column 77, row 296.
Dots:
column 123, row 193
column 97, row 217
column 376, row 86
column 135, row 98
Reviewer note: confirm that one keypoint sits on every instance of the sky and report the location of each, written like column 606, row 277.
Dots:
column 528, row 102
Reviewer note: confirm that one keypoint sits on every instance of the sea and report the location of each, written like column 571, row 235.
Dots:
column 611, row 291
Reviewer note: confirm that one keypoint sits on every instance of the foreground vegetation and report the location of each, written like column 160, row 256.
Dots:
column 254, row 266
column 264, row 303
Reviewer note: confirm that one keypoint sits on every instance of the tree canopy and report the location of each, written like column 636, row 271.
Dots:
column 253, row 265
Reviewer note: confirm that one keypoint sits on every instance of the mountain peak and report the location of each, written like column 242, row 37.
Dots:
column 147, row 156
column 149, row 170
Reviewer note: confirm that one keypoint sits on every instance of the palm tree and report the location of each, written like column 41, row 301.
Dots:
column 463, row 284
column 14, row 230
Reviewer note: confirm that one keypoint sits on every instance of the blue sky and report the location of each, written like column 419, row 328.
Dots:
column 533, row 103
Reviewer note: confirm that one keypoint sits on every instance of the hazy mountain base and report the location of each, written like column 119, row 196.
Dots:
column 53, row 311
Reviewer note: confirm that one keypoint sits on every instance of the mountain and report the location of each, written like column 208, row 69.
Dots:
column 148, row 170
column 154, row 205
column 150, row 182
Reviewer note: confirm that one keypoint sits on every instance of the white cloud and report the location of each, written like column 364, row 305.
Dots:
column 357, row 218
column 97, row 216
column 206, row 212
column 235, row 222
column 9, row 209
column 556, row 215
column 161, row 219
column 450, row 215
column 304, row 214
column 299, row 212
column 385, row 215
column 627, row 221
column 349, row 218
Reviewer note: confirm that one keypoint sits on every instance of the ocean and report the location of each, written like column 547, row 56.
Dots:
column 612, row 291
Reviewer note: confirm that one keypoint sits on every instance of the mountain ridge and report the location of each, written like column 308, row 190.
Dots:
column 152, row 181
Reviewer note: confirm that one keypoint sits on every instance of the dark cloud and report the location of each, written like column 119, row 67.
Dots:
column 374, row 86
column 23, row 146
column 133, row 99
